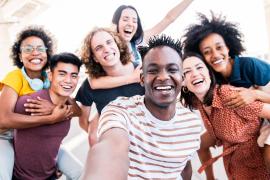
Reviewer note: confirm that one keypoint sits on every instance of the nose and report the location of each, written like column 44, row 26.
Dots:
column 163, row 75
column 68, row 79
column 35, row 51
column 215, row 53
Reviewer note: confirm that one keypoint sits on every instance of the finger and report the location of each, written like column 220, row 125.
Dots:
column 32, row 101
column 32, row 106
column 235, row 88
column 40, row 99
column 38, row 114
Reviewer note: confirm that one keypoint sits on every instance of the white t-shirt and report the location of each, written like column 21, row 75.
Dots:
column 158, row 149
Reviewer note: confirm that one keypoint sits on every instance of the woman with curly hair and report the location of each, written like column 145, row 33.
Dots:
column 127, row 23
column 104, row 54
column 235, row 129
column 31, row 53
column 220, row 43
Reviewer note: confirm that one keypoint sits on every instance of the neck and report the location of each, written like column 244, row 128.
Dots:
column 228, row 71
column 161, row 113
column 119, row 69
column 33, row 74
column 57, row 99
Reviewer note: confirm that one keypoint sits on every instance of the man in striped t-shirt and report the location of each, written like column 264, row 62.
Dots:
column 150, row 136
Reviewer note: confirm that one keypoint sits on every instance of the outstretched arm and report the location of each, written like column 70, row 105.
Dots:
column 170, row 17
column 100, row 157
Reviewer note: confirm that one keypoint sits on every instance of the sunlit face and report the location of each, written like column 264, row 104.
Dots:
column 128, row 24
column 196, row 76
column 105, row 49
column 32, row 55
column 64, row 79
column 161, row 76
column 215, row 52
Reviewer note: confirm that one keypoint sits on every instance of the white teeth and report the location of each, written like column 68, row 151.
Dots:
column 36, row 61
column 109, row 56
column 218, row 61
column 164, row 88
column 197, row 81
column 67, row 87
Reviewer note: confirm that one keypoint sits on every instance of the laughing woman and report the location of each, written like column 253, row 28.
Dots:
column 236, row 129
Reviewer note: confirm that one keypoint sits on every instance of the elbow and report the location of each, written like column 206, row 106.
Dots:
column 83, row 124
column 4, row 121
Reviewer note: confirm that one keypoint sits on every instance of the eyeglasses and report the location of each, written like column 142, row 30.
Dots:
column 29, row 49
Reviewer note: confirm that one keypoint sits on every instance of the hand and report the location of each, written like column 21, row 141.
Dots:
column 240, row 98
column 61, row 113
column 135, row 76
column 39, row 107
column 58, row 174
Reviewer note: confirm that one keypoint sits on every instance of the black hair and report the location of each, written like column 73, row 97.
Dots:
column 161, row 40
column 195, row 33
column 29, row 31
column 138, row 36
column 188, row 98
column 65, row 57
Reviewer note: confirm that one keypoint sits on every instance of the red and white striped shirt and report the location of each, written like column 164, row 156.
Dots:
column 158, row 149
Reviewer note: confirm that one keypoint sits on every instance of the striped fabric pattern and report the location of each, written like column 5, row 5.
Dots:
column 158, row 149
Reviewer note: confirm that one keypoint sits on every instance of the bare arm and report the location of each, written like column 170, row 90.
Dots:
column 265, row 113
column 170, row 17
column 104, row 153
column 245, row 96
column 9, row 119
column 41, row 107
column 204, row 153
column 107, row 82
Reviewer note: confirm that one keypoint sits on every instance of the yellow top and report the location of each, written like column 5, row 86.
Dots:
column 18, row 82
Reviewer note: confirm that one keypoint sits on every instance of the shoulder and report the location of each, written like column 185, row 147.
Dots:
column 127, row 102
column 252, row 62
column 13, row 79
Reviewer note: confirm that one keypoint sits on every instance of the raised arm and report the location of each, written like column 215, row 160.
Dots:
column 112, row 148
column 204, row 154
column 107, row 82
column 10, row 119
column 170, row 17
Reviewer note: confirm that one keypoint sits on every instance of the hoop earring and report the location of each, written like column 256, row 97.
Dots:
column 185, row 89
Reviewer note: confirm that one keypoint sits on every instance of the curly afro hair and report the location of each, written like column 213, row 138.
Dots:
column 195, row 33
column 29, row 31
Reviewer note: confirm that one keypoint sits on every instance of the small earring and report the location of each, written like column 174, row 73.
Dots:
column 185, row 89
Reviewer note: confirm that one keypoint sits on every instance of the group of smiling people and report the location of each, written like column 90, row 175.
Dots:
column 230, row 91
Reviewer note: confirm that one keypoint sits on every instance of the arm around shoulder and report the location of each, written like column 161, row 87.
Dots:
column 100, row 157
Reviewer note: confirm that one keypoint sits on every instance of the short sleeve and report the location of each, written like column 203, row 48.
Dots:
column 84, row 94
column 14, row 80
column 258, row 71
column 112, row 116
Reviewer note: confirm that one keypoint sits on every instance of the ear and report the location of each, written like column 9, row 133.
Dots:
column 184, row 83
column 141, row 79
column 20, row 57
column 50, row 76
column 95, row 59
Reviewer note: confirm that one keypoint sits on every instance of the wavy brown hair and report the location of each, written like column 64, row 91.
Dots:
column 93, row 68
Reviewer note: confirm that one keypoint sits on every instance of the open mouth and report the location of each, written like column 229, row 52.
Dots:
column 67, row 87
column 219, row 61
column 197, row 81
column 163, row 88
column 35, row 61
